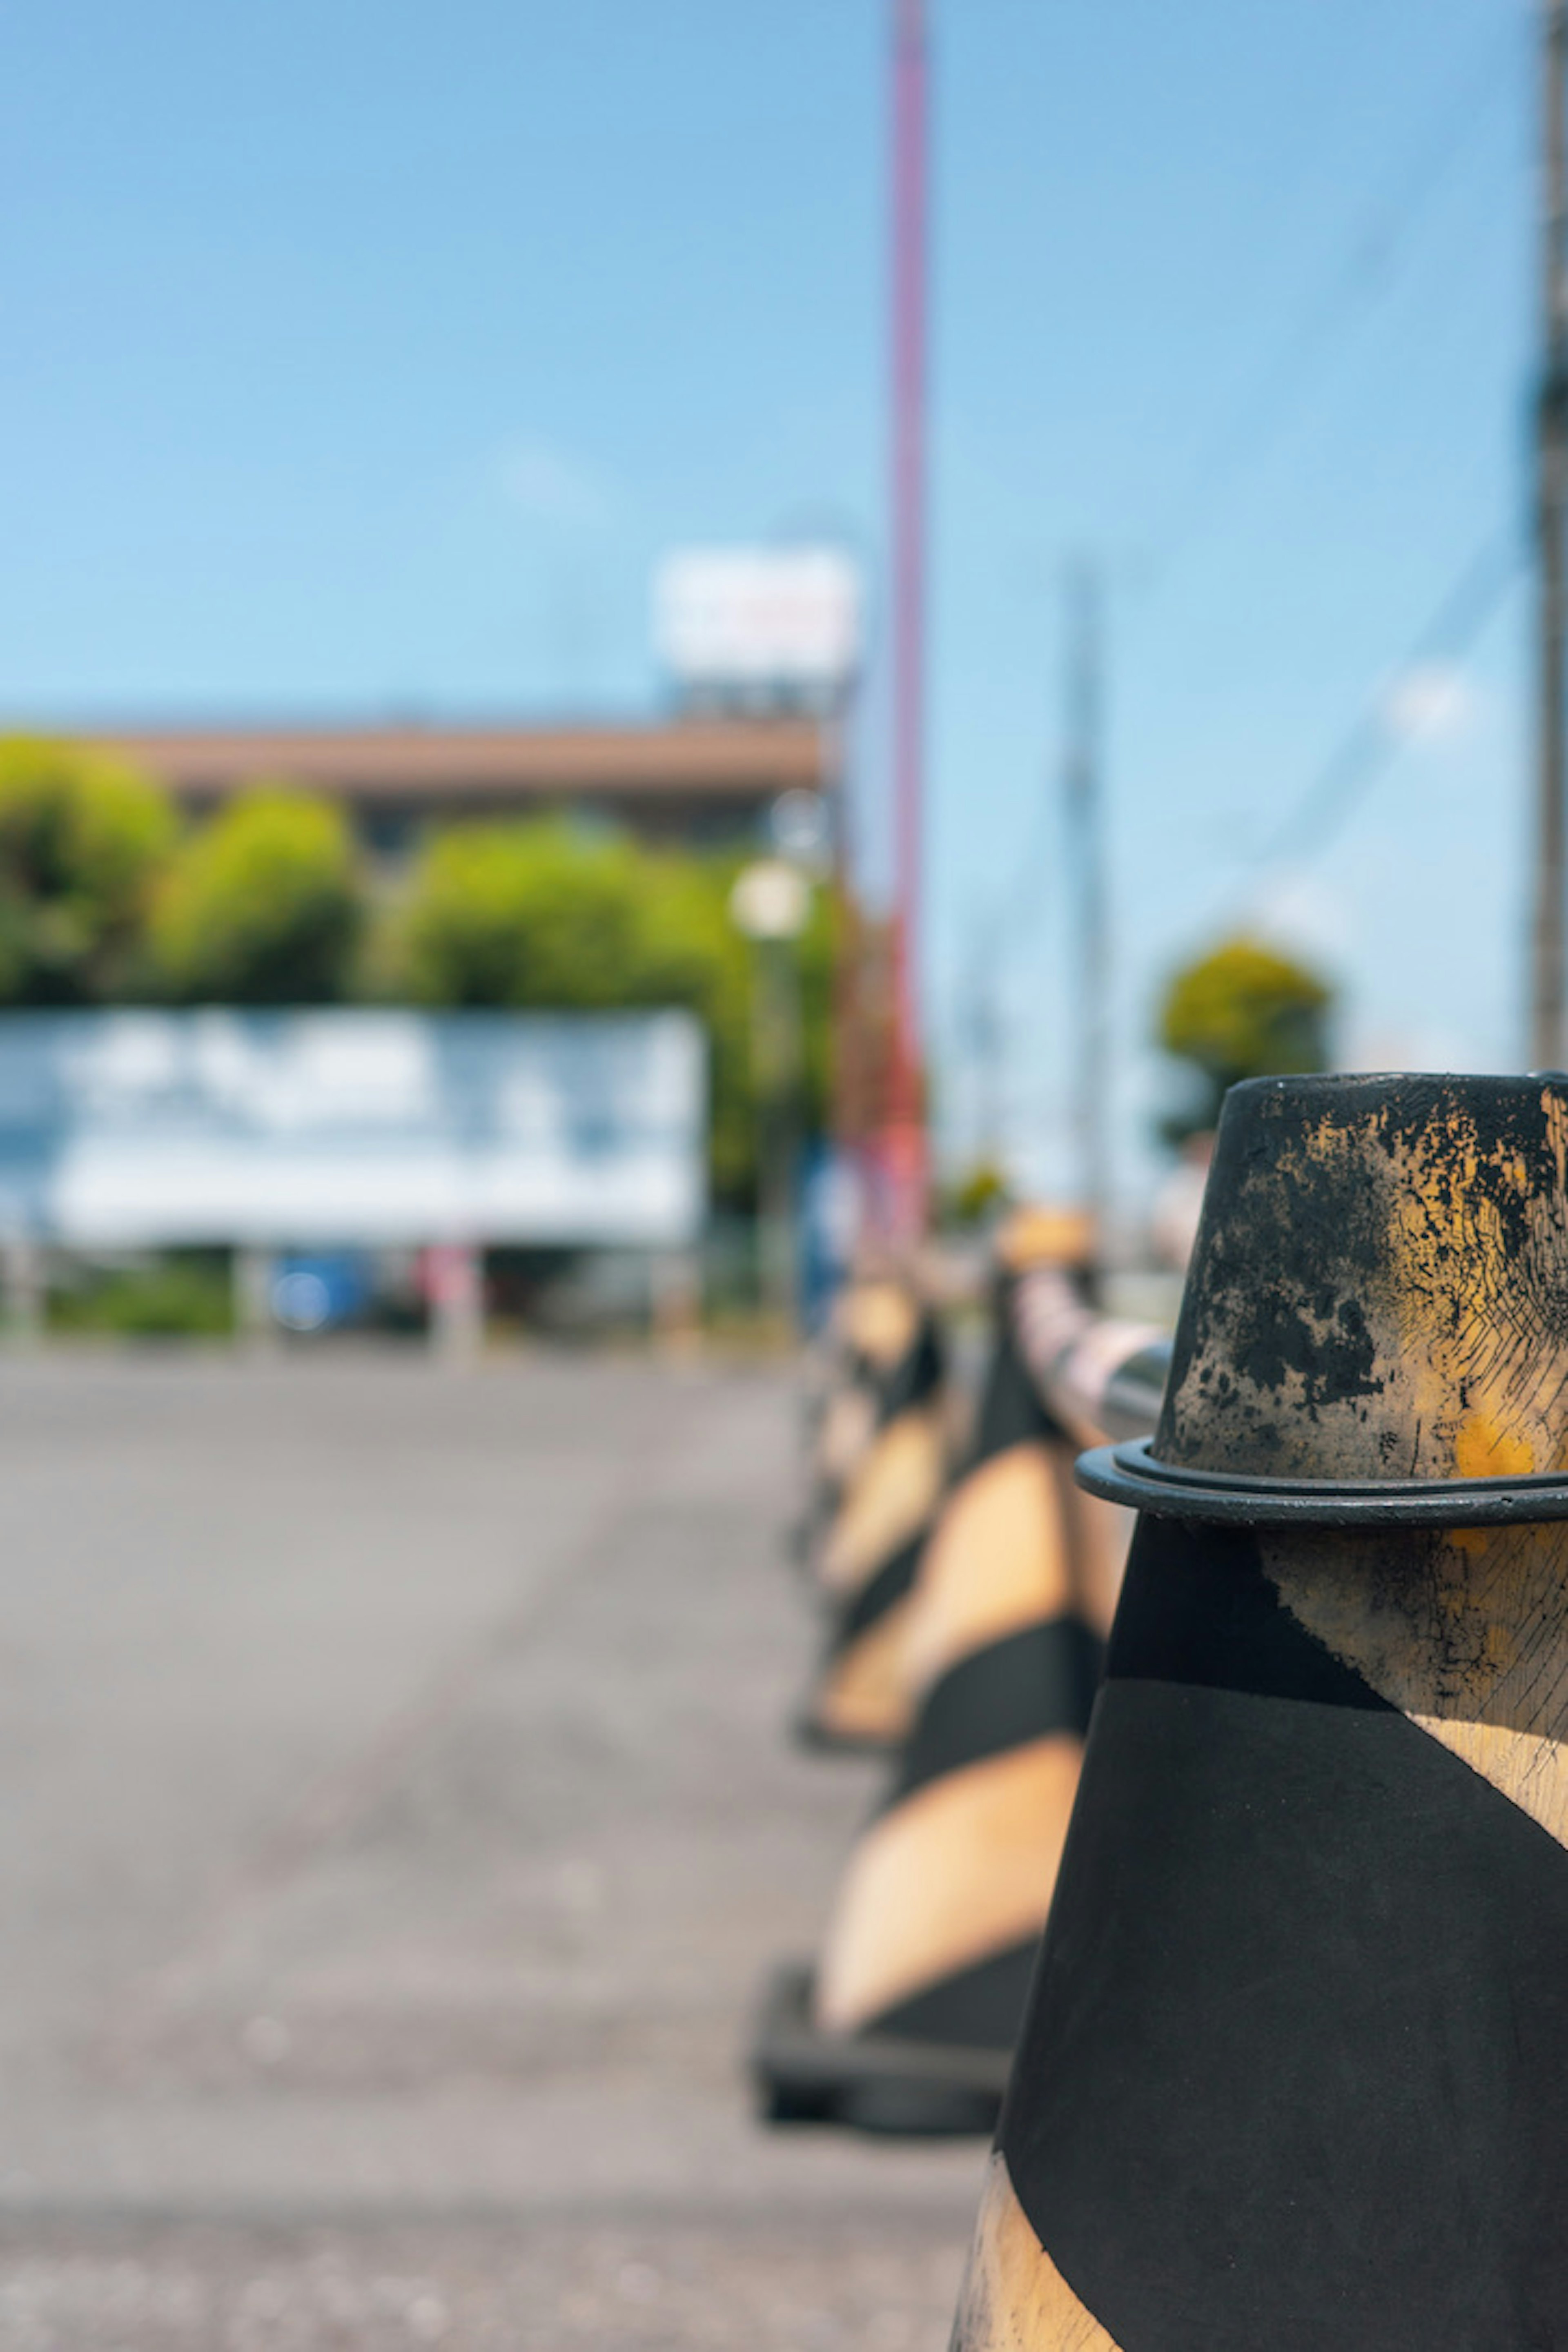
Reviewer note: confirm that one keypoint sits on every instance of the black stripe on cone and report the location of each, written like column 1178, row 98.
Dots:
column 918, row 1376
column 1044, row 1675
column 910, row 2022
column 1291, row 2072
column 861, row 1699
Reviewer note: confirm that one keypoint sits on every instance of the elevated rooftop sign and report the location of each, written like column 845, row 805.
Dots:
column 748, row 620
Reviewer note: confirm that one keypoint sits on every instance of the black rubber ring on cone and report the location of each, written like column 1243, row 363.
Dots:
column 1132, row 1475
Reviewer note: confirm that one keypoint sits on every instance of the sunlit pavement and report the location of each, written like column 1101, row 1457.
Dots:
column 395, row 1819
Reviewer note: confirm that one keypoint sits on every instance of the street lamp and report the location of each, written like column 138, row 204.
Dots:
column 771, row 903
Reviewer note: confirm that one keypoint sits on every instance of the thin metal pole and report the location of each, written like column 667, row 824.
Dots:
column 983, row 1037
column 909, row 325
column 1547, row 967
column 1084, row 814
column 846, row 1109
column 776, row 1056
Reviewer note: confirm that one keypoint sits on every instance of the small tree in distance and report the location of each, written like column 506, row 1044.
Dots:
column 261, row 905
column 1244, row 1010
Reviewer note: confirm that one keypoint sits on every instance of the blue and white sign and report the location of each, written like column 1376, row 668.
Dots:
column 140, row 1129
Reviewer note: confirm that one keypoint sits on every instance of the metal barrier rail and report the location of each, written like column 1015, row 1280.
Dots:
column 1101, row 1376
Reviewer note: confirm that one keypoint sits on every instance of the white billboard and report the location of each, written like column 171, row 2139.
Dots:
column 141, row 1129
column 753, row 618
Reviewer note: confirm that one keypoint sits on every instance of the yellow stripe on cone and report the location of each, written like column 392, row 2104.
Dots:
column 1441, row 1640
column 890, row 1499
column 997, row 1559
column 864, row 1694
column 1014, row 2299
column 878, row 1320
column 960, row 1870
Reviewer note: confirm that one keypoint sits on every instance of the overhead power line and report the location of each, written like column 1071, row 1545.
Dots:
column 1370, row 744
column 1364, row 271
column 1361, row 276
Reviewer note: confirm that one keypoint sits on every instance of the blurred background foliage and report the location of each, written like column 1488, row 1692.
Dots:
column 178, row 1295
column 83, row 842
column 261, row 904
column 107, row 897
column 1242, row 1009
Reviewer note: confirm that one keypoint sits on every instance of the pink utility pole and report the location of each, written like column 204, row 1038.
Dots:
column 905, row 1142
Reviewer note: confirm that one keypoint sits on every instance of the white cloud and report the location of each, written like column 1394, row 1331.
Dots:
column 549, row 484
column 1413, row 1045
column 1432, row 701
column 1302, row 912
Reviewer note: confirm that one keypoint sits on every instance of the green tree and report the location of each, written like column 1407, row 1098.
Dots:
column 694, row 956
column 539, row 914
column 528, row 914
column 82, row 841
column 262, row 905
column 1241, row 1010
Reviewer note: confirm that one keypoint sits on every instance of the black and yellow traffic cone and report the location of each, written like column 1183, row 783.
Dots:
column 867, row 1561
column 874, row 1325
column 1292, row 2069
column 909, row 2021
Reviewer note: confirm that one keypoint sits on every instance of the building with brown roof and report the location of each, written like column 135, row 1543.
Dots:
column 694, row 779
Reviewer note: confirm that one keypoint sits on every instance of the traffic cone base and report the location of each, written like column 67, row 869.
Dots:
column 872, row 2082
column 1302, row 2090
column 989, row 1835
column 890, row 1499
column 1012, row 2293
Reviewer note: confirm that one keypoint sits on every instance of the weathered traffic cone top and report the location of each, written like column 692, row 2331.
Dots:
column 1375, row 1321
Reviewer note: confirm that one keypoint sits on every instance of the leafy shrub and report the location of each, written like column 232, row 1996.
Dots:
column 185, row 1296
column 261, row 905
column 82, row 840
column 540, row 914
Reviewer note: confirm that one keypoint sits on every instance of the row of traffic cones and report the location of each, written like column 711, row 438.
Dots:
column 890, row 1425
column 1290, row 2062
column 876, row 1338
column 984, row 1661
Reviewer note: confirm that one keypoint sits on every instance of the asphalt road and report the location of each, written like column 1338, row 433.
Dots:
column 396, row 1821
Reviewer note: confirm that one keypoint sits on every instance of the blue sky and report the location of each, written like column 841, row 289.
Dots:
column 364, row 362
